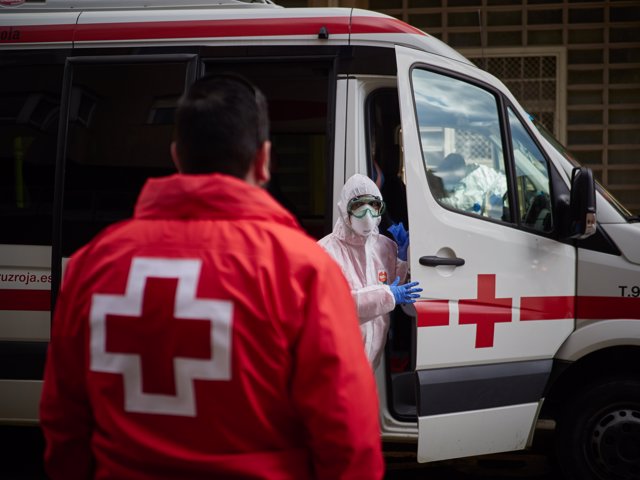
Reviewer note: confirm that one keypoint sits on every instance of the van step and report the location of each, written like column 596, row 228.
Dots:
column 403, row 387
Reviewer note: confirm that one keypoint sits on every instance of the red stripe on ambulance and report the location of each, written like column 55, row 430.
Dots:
column 435, row 313
column 258, row 27
column 239, row 27
column 25, row 300
column 38, row 34
column 363, row 25
column 601, row 308
column 486, row 310
column 432, row 313
column 546, row 308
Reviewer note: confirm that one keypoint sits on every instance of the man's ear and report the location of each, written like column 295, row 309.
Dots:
column 175, row 157
column 259, row 173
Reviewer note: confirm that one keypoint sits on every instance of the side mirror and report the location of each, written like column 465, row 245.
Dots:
column 582, row 206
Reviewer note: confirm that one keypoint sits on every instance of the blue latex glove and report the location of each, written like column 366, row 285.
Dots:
column 401, row 236
column 406, row 293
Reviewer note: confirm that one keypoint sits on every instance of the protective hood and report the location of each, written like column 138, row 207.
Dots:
column 354, row 187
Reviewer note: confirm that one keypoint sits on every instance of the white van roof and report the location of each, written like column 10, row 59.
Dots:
column 51, row 5
column 208, row 23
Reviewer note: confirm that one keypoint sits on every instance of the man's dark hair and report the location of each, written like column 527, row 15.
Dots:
column 221, row 121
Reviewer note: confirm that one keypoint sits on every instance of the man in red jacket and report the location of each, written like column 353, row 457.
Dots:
column 209, row 337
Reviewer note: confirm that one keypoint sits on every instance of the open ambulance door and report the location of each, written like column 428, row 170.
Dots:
column 498, row 288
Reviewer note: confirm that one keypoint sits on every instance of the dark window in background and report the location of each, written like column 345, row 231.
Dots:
column 120, row 131
column 297, row 92
column 29, row 111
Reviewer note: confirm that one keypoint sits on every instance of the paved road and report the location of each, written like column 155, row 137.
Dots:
column 21, row 459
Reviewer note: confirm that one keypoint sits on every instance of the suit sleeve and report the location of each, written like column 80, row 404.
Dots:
column 65, row 414
column 373, row 301
column 333, row 387
column 402, row 269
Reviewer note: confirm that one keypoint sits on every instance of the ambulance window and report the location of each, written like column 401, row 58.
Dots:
column 461, row 145
column 120, row 131
column 29, row 110
column 532, row 179
column 297, row 93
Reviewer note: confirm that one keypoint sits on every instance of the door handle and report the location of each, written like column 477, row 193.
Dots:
column 434, row 261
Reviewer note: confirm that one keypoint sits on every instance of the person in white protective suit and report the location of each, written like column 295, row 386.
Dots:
column 369, row 261
column 472, row 187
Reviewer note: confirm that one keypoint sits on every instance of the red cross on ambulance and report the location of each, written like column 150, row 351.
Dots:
column 485, row 311
column 518, row 322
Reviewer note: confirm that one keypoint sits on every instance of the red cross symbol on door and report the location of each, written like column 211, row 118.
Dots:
column 485, row 311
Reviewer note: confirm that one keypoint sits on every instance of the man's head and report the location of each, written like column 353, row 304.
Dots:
column 222, row 126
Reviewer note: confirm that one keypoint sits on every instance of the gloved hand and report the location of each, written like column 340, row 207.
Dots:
column 401, row 236
column 406, row 293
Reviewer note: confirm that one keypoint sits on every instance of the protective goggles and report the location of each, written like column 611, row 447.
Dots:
column 354, row 207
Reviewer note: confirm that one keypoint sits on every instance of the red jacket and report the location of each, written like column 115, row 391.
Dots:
column 208, row 337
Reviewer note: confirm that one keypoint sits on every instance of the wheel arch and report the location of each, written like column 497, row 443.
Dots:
column 568, row 377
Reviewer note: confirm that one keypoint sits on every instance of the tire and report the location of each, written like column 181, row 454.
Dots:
column 598, row 431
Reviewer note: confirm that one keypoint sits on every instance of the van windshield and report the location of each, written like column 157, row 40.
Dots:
column 561, row 149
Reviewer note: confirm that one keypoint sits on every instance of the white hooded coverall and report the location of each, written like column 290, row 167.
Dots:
column 370, row 264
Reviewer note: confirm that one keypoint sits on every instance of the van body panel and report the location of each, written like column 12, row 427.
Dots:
column 21, row 407
column 627, row 238
column 592, row 336
column 601, row 276
column 216, row 26
column 34, row 256
column 341, row 128
column 533, row 261
column 24, row 326
column 480, row 387
column 25, row 293
column 607, row 214
column 607, row 306
column 508, row 302
column 24, row 30
column 486, row 431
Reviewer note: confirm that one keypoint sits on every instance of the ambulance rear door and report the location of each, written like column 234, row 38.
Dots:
column 498, row 285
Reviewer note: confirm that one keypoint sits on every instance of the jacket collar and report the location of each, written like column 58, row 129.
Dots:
column 210, row 196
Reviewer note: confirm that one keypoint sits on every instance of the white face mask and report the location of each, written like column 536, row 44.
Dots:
column 364, row 226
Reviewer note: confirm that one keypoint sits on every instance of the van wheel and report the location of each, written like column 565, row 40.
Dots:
column 598, row 432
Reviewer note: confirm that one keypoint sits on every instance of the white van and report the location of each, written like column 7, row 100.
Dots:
column 531, row 306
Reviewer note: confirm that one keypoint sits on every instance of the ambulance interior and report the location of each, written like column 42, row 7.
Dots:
column 384, row 141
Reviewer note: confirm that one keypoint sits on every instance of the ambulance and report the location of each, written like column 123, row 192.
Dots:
column 531, row 270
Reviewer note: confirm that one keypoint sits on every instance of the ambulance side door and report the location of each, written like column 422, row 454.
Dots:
column 498, row 287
